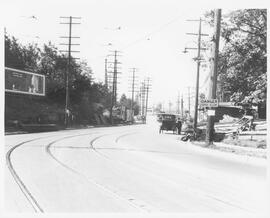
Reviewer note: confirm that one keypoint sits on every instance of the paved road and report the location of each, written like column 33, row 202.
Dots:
column 127, row 169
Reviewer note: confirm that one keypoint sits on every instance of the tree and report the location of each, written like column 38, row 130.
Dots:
column 21, row 57
column 84, row 94
column 242, row 62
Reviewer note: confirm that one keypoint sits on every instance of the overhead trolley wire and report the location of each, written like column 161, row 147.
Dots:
column 146, row 36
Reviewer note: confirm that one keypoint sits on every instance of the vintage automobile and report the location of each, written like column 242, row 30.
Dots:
column 168, row 122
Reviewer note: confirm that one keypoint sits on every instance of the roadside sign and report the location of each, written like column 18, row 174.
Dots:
column 19, row 81
column 211, row 112
column 209, row 103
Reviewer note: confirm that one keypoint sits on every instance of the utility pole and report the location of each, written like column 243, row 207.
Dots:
column 213, row 76
column 115, row 78
column 178, row 103
column 189, row 102
column 182, row 107
column 70, row 23
column 198, row 59
column 106, row 74
column 140, row 100
column 147, row 93
column 132, row 91
column 143, row 97
column 197, row 77
column 132, row 96
column 114, row 83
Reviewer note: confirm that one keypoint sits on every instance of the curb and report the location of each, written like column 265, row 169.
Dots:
column 70, row 128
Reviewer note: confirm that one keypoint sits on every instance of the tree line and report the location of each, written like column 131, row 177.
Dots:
column 87, row 98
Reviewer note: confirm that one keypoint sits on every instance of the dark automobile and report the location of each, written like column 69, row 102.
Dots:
column 168, row 122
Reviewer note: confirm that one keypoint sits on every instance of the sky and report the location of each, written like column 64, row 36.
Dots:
column 150, row 35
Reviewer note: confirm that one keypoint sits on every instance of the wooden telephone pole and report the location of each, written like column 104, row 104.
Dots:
column 147, row 95
column 178, row 103
column 133, row 86
column 182, row 107
column 106, row 74
column 69, row 37
column 198, row 59
column 115, row 73
column 213, row 76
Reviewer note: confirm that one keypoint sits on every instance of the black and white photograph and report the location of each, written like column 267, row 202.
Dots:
column 134, row 108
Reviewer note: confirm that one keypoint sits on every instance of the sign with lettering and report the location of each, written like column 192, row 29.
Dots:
column 211, row 112
column 19, row 81
column 209, row 103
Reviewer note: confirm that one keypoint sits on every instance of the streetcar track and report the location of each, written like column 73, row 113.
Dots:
column 131, row 200
column 206, row 195
column 48, row 146
column 34, row 203
column 127, row 134
column 30, row 198
column 145, row 171
column 104, row 188
column 26, row 192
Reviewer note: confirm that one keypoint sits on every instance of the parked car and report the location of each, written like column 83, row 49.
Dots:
column 168, row 122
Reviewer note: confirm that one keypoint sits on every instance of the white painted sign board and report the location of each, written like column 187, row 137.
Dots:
column 211, row 112
column 209, row 103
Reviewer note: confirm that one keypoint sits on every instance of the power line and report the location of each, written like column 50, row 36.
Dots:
column 151, row 33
